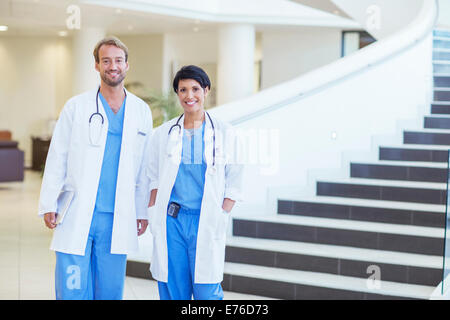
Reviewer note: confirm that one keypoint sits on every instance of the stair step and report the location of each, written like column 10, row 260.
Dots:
column 399, row 172
column 437, row 122
column 339, row 260
column 359, row 234
column 441, row 42
column 388, row 190
column 439, row 107
column 442, row 81
column 414, row 153
column 441, row 55
column 441, row 33
column 426, row 137
column 442, row 94
column 294, row 284
column 366, row 210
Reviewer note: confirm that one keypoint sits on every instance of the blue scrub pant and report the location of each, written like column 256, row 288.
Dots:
column 181, row 248
column 98, row 275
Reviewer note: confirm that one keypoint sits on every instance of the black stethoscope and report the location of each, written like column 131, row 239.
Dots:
column 100, row 116
column 177, row 124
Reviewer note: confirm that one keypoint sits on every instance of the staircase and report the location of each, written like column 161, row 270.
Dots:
column 385, row 222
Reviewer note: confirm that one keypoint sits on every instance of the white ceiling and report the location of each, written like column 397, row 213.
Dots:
column 324, row 5
column 47, row 17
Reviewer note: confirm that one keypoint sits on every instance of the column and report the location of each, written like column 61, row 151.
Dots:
column 235, row 71
column 85, row 77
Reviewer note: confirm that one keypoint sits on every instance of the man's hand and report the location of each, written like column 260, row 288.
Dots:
column 141, row 226
column 50, row 220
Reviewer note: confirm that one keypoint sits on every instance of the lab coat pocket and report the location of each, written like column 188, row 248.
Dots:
column 139, row 142
column 139, row 149
column 222, row 225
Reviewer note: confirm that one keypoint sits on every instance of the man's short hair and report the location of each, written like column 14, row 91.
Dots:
column 110, row 41
column 192, row 72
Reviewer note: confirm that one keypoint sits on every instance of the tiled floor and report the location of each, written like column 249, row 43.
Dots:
column 27, row 264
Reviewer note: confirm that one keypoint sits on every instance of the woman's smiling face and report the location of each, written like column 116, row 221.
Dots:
column 191, row 95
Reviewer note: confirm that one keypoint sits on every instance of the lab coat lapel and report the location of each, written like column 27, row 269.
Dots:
column 102, row 111
column 209, row 143
column 125, row 176
column 175, row 143
column 129, row 133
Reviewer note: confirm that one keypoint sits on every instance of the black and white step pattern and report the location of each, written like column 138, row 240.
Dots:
column 442, row 80
column 296, row 285
column 414, row 214
column 441, row 54
column 427, row 136
column 442, row 94
column 420, row 153
column 329, row 258
column 337, row 260
column 441, row 66
column 441, row 33
column 440, row 107
column 440, row 42
column 342, row 232
column 387, row 190
column 407, row 171
column 437, row 122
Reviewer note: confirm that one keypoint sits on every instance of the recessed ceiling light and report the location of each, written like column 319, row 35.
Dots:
column 334, row 135
column 62, row 33
column 3, row 28
column 118, row 11
column 196, row 29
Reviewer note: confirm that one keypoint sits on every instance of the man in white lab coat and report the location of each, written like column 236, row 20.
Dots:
column 94, row 191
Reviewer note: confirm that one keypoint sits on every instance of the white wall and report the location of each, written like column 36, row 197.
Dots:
column 284, row 54
column 35, row 83
column 184, row 48
column 145, row 54
column 444, row 14
column 288, row 54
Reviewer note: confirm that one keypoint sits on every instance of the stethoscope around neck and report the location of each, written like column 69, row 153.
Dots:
column 94, row 118
column 177, row 125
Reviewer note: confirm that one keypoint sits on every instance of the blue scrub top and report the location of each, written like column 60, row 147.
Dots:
column 188, row 187
column 106, row 193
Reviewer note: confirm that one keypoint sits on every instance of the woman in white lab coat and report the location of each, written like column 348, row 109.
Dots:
column 195, row 182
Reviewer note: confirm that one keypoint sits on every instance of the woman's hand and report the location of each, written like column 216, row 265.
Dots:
column 152, row 201
column 228, row 204
column 141, row 226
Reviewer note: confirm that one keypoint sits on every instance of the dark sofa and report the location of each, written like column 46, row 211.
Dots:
column 11, row 161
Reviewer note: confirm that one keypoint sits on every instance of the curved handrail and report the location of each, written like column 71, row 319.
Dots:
column 347, row 67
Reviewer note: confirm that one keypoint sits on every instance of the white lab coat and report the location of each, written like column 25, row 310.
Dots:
column 223, row 181
column 74, row 164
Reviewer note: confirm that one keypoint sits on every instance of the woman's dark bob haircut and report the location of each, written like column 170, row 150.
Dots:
column 192, row 72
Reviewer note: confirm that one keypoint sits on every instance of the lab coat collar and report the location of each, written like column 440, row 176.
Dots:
column 176, row 142
column 177, row 133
